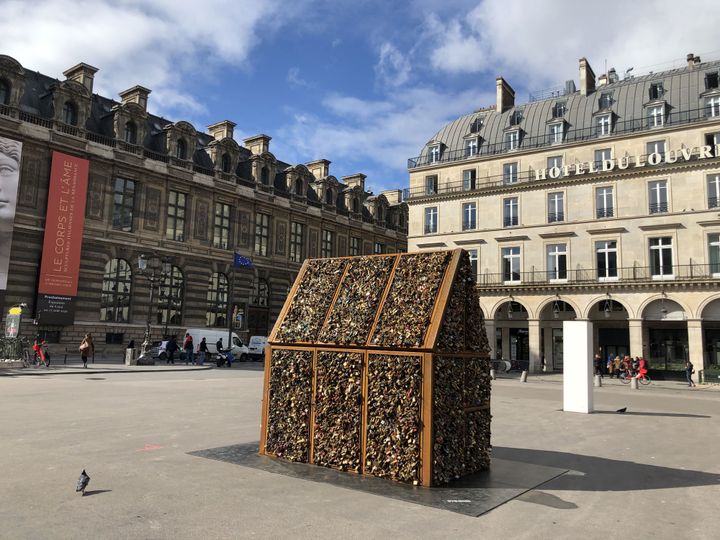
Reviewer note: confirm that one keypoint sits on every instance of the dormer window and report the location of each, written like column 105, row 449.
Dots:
column 264, row 176
column 512, row 140
column 656, row 116
column 70, row 113
column 471, row 147
column 711, row 81
column 226, row 163
column 355, row 205
column 476, row 125
column 656, row 91
column 4, row 92
column 181, row 149
column 435, row 153
column 130, row 133
column 712, row 106
column 516, row 118
column 605, row 100
column 329, row 199
column 603, row 124
column 299, row 187
column 556, row 132
column 559, row 109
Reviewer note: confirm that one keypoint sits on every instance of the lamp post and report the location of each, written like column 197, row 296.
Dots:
column 153, row 276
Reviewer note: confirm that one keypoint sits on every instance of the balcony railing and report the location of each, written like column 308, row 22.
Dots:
column 605, row 212
column 658, row 208
column 688, row 272
column 510, row 221
column 573, row 135
column 556, row 216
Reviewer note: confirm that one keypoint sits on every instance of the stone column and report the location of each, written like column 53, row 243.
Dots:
column 636, row 337
column 490, row 331
column 505, row 343
column 695, row 345
column 549, row 359
column 534, row 345
column 578, row 366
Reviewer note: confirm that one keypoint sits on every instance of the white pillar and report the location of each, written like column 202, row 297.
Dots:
column 505, row 343
column 695, row 344
column 549, row 359
column 636, row 338
column 534, row 345
column 492, row 341
column 577, row 366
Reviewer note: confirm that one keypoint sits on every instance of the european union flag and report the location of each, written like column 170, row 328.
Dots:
column 242, row 262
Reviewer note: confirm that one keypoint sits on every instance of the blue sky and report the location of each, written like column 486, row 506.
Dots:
column 362, row 83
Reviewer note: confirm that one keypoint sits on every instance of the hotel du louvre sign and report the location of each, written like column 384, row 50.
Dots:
column 629, row 162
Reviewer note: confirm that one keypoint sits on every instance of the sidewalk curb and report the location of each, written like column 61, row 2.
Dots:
column 28, row 372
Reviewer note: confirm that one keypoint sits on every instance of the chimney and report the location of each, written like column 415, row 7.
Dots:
column 505, row 95
column 357, row 179
column 258, row 144
column 82, row 73
column 320, row 168
column 393, row 196
column 570, row 87
column 222, row 130
column 602, row 80
column 612, row 76
column 587, row 78
column 137, row 94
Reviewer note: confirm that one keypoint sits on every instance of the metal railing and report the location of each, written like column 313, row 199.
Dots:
column 510, row 221
column 556, row 216
column 100, row 139
column 605, row 212
column 687, row 272
column 658, row 208
column 633, row 125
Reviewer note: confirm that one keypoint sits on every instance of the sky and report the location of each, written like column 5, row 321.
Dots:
column 362, row 83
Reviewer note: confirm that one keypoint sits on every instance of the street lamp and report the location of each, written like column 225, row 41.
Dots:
column 152, row 274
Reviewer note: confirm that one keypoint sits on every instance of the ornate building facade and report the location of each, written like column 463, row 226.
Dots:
column 186, row 201
column 598, row 202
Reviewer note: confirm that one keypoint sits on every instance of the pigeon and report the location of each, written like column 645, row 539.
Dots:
column 83, row 482
column 621, row 410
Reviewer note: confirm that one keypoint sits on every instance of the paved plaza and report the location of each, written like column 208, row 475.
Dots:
column 653, row 472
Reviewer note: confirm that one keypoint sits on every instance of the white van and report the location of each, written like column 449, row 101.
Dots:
column 256, row 346
column 211, row 335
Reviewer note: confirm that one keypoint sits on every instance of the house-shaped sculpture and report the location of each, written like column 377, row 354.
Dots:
column 379, row 365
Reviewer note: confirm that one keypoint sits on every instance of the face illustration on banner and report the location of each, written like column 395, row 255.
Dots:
column 9, row 175
column 10, row 152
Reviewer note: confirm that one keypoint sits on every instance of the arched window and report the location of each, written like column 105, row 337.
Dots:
column 170, row 299
column 217, row 300
column 226, row 163
column 299, row 187
column 261, row 293
column 380, row 213
column 355, row 206
column 265, row 176
column 115, row 299
column 329, row 198
column 70, row 113
column 4, row 92
column 181, row 149
column 131, row 133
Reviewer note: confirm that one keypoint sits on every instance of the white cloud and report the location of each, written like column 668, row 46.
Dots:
column 374, row 136
column 157, row 44
column 393, row 68
column 541, row 42
column 295, row 80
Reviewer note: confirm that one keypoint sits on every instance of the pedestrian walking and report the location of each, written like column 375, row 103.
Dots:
column 87, row 348
column 202, row 351
column 617, row 366
column 171, row 348
column 188, row 348
column 597, row 363
column 689, row 370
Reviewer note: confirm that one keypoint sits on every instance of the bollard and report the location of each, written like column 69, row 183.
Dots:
column 598, row 381
column 492, row 375
column 701, row 376
column 633, row 383
column 523, row 376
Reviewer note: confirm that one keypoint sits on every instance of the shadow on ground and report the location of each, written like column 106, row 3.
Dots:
column 591, row 473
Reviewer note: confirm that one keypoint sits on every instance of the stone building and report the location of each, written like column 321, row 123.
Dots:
column 184, row 199
column 595, row 202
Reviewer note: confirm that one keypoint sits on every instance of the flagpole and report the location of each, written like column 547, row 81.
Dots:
column 230, row 305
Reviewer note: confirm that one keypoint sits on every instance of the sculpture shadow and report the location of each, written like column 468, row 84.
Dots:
column 592, row 473
column 96, row 492
column 668, row 415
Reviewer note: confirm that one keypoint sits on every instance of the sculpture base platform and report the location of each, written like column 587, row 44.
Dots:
column 472, row 495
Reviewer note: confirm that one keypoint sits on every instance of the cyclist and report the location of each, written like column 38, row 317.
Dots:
column 41, row 355
column 642, row 369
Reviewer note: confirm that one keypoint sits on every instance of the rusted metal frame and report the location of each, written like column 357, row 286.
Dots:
column 266, row 405
column 288, row 301
column 336, row 294
column 383, row 298
column 265, row 401
column 311, row 413
column 426, row 421
column 364, row 421
column 442, row 300
column 363, row 376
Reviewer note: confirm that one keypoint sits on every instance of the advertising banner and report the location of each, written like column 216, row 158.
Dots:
column 64, row 223
column 10, row 152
